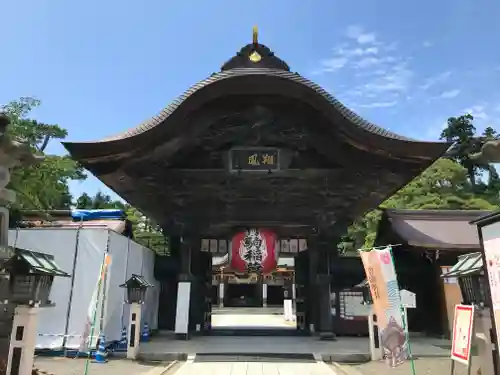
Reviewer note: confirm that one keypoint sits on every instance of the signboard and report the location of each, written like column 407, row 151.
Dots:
column 254, row 159
column 463, row 329
column 408, row 299
column 491, row 247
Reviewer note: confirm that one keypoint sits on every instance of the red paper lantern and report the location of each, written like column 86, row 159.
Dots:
column 254, row 251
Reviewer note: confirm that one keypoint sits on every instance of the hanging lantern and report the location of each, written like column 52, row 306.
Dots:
column 254, row 250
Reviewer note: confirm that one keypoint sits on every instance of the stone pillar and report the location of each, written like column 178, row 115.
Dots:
column 287, row 301
column 134, row 330
column 321, row 247
column 221, row 294
column 23, row 341
column 312, row 302
column 264, row 294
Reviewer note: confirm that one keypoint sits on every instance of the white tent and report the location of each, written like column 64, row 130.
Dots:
column 80, row 252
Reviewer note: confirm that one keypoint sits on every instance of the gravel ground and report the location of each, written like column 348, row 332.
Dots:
column 424, row 366
column 69, row 366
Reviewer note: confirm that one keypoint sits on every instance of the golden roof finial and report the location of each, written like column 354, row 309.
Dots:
column 255, row 35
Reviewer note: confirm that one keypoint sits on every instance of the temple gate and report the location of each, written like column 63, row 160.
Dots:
column 254, row 145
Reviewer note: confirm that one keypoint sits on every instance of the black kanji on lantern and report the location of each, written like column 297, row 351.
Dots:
column 253, row 254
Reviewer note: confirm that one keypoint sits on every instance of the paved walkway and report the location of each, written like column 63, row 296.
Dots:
column 424, row 366
column 346, row 349
column 70, row 366
column 254, row 368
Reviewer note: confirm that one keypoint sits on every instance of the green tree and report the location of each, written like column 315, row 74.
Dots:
column 43, row 186
column 147, row 232
column 99, row 201
column 444, row 185
column 457, row 182
column 462, row 132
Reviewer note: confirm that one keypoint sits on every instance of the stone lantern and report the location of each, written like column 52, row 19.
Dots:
column 12, row 154
column 27, row 281
column 136, row 287
column 469, row 272
column 30, row 276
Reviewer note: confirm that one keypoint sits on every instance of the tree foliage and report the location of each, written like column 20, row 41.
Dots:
column 457, row 183
column 99, row 201
column 43, row 186
column 146, row 232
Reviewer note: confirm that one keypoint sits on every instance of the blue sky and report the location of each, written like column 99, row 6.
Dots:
column 101, row 67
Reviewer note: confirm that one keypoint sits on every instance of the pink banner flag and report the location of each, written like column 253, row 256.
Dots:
column 381, row 276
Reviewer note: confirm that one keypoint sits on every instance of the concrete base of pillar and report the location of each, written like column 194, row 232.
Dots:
column 327, row 336
column 182, row 336
column 22, row 341
column 182, row 310
column 134, row 331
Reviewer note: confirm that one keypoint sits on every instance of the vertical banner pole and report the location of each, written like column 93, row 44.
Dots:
column 72, row 287
column 104, row 266
column 371, row 334
column 105, row 284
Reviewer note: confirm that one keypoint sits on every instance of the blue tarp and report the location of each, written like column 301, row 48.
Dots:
column 97, row 214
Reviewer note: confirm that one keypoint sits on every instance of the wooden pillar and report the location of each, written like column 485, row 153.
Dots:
column 312, row 301
column 326, row 249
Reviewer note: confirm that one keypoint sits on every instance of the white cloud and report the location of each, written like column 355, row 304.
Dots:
column 478, row 111
column 427, row 44
column 379, row 77
column 397, row 80
column 373, row 50
column 483, row 117
column 362, row 37
column 449, row 94
column 379, row 104
column 434, row 80
column 367, row 62
column 333, row 64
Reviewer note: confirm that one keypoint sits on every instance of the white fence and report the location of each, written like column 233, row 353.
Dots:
column 80, row 252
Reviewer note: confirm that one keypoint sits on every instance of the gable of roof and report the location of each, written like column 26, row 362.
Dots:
column 438, row 229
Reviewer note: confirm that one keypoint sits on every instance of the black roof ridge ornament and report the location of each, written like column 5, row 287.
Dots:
column 255, row 55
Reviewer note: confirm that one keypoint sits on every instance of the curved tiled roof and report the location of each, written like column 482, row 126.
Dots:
column 238, row 72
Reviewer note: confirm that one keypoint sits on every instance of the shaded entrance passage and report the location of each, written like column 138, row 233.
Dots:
column 275, row 295
column 243, row 295
column 254, row 146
